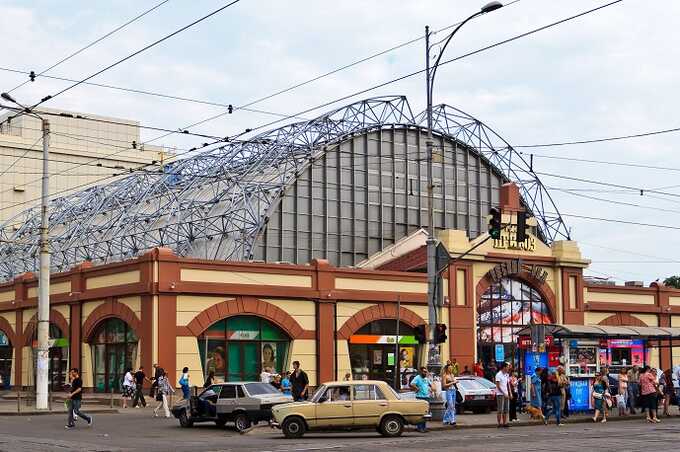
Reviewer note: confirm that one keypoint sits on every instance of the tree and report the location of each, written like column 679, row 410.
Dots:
column 672, row 281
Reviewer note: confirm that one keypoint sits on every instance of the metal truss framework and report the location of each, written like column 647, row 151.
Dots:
column 216, row 204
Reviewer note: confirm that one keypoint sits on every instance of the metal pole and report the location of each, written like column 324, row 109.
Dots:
column 431, row 240
column 397, row 356
column 42, row 364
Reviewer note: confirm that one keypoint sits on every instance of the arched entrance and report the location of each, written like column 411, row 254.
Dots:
column 374, row 353
column 238, row 348
column 58, row 356
column 5, row 359
column 504, row 308
column 114, row 349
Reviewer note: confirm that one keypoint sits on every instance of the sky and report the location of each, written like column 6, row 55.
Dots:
column 610, row 73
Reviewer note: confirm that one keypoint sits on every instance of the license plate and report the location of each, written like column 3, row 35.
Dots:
column 480, row 397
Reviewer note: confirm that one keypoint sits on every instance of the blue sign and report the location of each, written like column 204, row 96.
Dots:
column 532, row 360
column 500, row 353
column 580, row 394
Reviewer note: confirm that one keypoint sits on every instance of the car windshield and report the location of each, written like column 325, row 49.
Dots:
column 486, row 383
column 319, row 393
column 472, row 385
column 261, row 389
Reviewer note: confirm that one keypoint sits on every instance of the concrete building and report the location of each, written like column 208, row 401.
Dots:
column 82, row 152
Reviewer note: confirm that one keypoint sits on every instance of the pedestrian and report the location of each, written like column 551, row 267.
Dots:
column 299, row 383
column 348, row 377
column 554, row 392
column 210, row 379
column 466, row 371
column 599, row 391
column 668, row 390
column 276, row 381
column 163, row 390
column 75, row 397
column 422, row 386
column 633, row 388
column 285, row 383
column 157, row 372
column 622, row 396
column 449, row 387
column 649, row 389
column 128, row 386
column 502, row 380
column 478, row 369
column 266, row 375
column 514, row 396
column 455, row 368
column 565, row 384
column 184, row 383
column 140, row 378
column 536, row 394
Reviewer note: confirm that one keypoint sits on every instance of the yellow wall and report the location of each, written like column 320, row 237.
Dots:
column 226, row 277
column 189, row 306
column 11, row 318
column 380, row 284
column 134, row 303
column 28, row 314
column 605, row 297
column 674, row 301
column 27, row 366
column 344, row 364
column 65, row 311
column 188, row 355
column 116, row 279
column 304, row 311
column 346, row 310
column 7, row 296
column 304, row 350
column 88, row 308
column 594, row 318
column 86, row 365
column 649, row 319
column 57, row 288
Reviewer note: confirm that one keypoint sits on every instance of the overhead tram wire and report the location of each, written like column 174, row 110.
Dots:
column 18, row 158
column 33, row 75
column 613, row 220
column 600, row 140
column 405, row 76
column 132, row 55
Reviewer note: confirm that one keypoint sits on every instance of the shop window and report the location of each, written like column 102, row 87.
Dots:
column 5, row 359
column 58, row 357
column 114, row 351
column 241, row 347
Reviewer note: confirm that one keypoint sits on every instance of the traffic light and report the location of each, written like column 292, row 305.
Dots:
column 440, row 333
column 421, row 334
column 521, row 234
column 495, row 223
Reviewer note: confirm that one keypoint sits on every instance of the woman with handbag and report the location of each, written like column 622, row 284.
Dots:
column 449, row 388
column 649, row 390
column 599, row 391
column 162, row 392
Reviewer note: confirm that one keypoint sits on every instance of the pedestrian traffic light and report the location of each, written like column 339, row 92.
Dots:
column 495, row 223
column 421, row 334
column 440, row 334
column 521, row 234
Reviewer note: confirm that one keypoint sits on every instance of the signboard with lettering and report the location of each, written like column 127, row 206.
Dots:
column 515, row 266
column 508, row 240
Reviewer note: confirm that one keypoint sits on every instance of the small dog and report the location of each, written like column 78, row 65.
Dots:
column 535, row 413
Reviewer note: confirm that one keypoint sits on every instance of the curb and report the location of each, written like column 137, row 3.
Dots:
column 584, row 420
column 46, row 413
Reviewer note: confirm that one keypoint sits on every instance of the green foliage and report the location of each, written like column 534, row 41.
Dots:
column 672, row 281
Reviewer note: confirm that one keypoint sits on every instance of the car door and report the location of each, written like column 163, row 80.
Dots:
column 227, row 400
column 368, row 404
column 334, row 408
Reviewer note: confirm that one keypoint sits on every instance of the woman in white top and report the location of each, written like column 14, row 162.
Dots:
column 128, row 386
column 164, row 390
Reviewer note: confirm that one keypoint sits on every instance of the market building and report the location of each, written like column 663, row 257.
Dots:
column 306, row 243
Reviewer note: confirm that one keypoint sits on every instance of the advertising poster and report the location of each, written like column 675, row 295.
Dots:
column 406, row 357
column 500, row 353
column 269, row 355
column 580, row 395
column 532, row 360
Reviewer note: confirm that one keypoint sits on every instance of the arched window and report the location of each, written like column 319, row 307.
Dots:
column 114, row 349
column 5, row 359
column 504, row 308
column 240, row 348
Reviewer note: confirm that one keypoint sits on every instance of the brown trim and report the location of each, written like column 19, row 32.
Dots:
column 622, row 289
column 377, row 312
column 569, row 315
column 248, row 305
column 495, row 257
column 622, row 307
column 462, row 324
column 167, row 333
column 75, row 321
column 56, row 318
column 6, row 328
column 325, row 341
column 622, row 319
column 183, row 331
column 109, row 309
column 146, row 333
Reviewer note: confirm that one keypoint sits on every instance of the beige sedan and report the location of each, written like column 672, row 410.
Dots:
column 342, row 405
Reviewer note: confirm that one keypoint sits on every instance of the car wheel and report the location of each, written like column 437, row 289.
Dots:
column 241, row 422
column 293, row 427
column 184, row 420
column 391, row 426
column 221, row 422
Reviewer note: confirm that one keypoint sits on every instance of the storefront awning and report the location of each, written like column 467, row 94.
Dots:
column 607, row 332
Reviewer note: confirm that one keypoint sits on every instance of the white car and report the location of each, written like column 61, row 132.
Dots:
column 475, row 394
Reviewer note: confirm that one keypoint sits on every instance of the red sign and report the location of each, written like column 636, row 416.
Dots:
column 549, row 341
column 524, row 342
column 603, row 343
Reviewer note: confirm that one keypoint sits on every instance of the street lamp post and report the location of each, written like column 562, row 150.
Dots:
column 42, row 361
column 434, row 279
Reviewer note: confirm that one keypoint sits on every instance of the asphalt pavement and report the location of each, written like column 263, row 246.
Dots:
column 137, row 430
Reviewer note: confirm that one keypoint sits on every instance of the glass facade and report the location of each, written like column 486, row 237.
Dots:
column 504, row 309
column 240, row 348
column 114, row 350
column 58, row 357
column 5, row 359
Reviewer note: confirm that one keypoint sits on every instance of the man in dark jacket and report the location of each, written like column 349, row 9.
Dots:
column 299, row 382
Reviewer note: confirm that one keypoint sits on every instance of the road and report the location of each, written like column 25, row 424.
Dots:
column 136, row 430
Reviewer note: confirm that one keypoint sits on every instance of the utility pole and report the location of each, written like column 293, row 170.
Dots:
column 43, row 361
column 43, row 330
column 433, row 278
